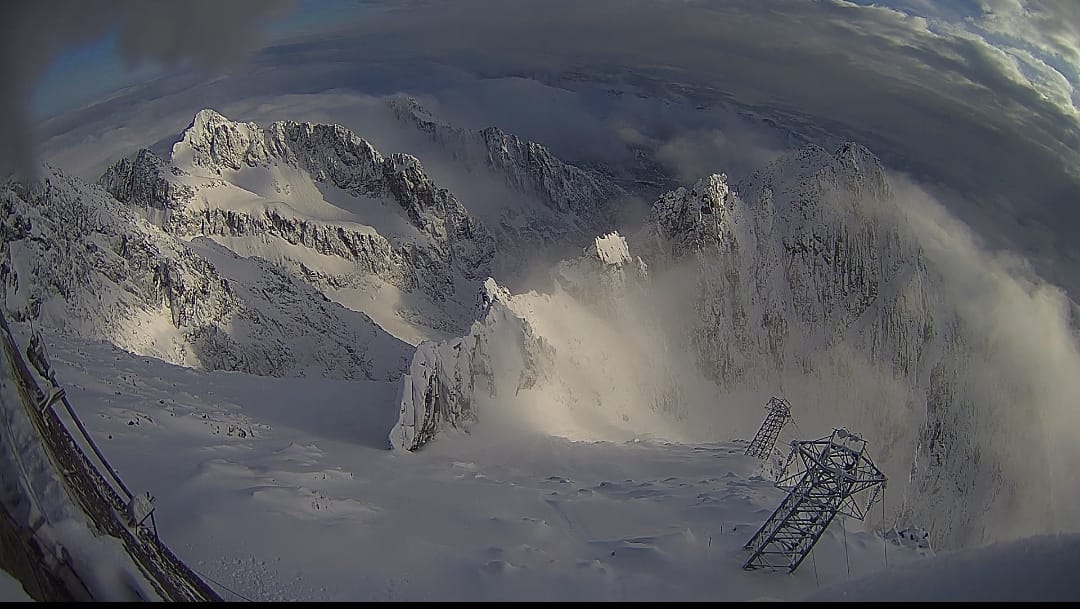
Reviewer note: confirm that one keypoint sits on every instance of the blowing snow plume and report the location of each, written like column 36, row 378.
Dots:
column 859, row 300
column 580, row 362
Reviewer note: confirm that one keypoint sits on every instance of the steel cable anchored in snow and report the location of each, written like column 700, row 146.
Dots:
column 223, row 586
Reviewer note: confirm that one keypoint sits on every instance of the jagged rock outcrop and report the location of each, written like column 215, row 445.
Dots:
column 585, row 357
column 604, row 272
column 804, row 278
column 333, row 154
column 787, row 263
column 538, row 207
column 499, row 357
column 141, row 181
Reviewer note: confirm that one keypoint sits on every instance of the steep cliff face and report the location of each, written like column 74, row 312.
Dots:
column 604, row 274
column 333, row 155
column 585, row 361
column 792, row 261
column 808, row 277
column 450, row 382
column 74, row 258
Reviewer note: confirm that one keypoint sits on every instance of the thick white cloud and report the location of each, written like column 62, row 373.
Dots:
column 1051, row 26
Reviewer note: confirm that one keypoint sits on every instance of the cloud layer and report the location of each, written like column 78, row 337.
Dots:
column 973, row 99
column 203, row 33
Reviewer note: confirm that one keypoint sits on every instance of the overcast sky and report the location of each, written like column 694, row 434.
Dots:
column 977, row 98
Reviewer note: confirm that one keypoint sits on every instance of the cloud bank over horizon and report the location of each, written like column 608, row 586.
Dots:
column 201, row 33
column 974, row 100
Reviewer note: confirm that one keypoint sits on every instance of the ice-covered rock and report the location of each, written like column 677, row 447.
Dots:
column 603, row 272
column 807, row 276
column 448, row 381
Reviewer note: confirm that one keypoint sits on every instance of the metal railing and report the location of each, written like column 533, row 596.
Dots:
column 104, row 507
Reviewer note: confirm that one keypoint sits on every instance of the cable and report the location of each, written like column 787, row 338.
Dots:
column 843, row 527
column 885, row 542
column 212, row 580
column 795, row 424
column 813, row 556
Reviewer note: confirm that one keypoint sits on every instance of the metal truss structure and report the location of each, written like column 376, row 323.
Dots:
column 779, row 413
column 824, row 477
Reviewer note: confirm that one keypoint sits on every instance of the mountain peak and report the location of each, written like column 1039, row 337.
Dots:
column 851, row 169
column 208, row 116
column 212, row 140
column 858, row 158
column 408, row 107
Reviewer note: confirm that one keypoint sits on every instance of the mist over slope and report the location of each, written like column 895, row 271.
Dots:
column 815, row 279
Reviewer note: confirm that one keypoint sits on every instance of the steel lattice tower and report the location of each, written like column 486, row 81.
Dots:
column 832, row 475
column 779, row 413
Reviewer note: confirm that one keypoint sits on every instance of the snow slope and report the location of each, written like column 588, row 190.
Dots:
column 84, row 562
column 282, row 489
column 1035, row 569
column 810, row 279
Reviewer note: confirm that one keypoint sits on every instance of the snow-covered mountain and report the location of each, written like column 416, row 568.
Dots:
column 249, row 212
column 371, row 231
column 74, row 259
column 805, row 280
column 527, row 167
column 537, row 206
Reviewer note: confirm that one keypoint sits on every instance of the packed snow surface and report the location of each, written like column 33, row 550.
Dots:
column 283, row 488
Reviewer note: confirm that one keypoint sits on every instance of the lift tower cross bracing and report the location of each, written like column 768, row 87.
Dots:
column 763, row 443
column 831, row 475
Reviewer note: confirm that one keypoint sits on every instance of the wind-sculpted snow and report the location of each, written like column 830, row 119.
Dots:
column 75, row 259
column 807, row 278
column 816, row 278
column 499, row 357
